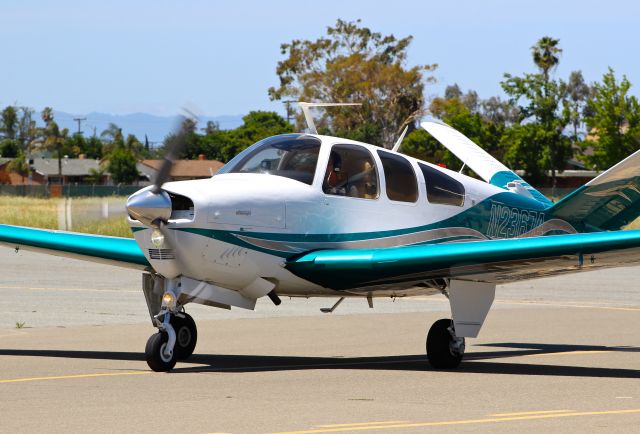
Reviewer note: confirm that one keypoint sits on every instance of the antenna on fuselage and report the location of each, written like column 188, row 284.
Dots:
column 400, row 139
column 305, row 106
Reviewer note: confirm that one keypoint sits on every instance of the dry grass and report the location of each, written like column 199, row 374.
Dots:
column 86, row 214
column 26, row 211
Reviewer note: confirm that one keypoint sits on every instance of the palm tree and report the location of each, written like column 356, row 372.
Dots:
column 546, row 54
column 112, row 134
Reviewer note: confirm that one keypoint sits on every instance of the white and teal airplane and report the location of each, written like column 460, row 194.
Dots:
column 306, row 215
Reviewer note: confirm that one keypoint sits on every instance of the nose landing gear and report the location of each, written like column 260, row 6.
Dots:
column 175, row 341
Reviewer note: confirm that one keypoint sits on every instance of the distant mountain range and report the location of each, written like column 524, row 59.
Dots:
column 155, row 127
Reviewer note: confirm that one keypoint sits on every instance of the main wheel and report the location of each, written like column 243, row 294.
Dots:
column 443, row 349
column 186, row 335
column 154, row 353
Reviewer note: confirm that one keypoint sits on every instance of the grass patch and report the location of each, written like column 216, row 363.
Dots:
column 86, row 214
column 20, row 324
column 27, row 211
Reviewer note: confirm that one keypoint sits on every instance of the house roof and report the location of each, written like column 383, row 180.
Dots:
column 188, row 168
column 70, row 166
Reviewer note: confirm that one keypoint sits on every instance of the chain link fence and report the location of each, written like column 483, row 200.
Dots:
column 69, row 190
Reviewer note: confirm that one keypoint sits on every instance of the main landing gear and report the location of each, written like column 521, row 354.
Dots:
column 444, row 348
column 175, row 340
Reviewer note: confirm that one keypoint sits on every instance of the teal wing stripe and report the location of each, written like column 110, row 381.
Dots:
column 345, row 269
column 113, row 249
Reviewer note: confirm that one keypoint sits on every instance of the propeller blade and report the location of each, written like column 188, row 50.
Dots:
column 175, row 149
column 169, row 242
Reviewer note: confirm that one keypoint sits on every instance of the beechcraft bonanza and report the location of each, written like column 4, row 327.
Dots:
column 307, row 215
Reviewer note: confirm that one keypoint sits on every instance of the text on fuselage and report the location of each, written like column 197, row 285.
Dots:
column 510, row 222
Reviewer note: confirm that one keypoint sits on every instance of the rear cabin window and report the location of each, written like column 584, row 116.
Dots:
column 400, row 177
column 351, row 172
column 441, row 188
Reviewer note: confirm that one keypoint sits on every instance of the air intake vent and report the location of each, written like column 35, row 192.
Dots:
column 161, row 254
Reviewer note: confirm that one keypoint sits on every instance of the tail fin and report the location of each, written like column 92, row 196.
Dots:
column 480, row 161
column 608, row 202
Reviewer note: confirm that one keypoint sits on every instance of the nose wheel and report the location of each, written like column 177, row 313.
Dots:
column 159, row 357
column 162, row 352
column 186, row 335
column 444, row 348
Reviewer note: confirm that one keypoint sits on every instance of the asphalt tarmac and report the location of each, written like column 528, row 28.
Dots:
column 555, row 355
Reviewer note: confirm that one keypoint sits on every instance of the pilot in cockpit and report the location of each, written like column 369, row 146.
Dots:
column 334, row 178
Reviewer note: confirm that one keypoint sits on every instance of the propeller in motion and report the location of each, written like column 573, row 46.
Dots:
column 152, row 205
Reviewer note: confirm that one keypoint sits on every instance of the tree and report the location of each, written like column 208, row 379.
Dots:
column 27, row 130
column 538, row 143
column 467, row 114
column 53, row 137
column 112, row 134
column 613, row 121
column 96, row 175
column 546, row 55
column 9, row 126
column 578, row 93
column 355, row 64
column 122, row 166
column 9, row 148
column 223, row 145
column 92, row 147
column 19, row 165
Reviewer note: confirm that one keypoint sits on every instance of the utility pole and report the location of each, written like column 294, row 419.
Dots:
column 79, row 121
column 288, row 107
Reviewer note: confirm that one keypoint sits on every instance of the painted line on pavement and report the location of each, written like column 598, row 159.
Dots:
column 363, row 424
column 466, row 422
column 579, row 306
column 525, row 413
column 35, row 288
column 70, row 377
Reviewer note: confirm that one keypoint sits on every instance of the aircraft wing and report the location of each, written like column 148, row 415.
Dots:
column 122, row 252
column 498, row 261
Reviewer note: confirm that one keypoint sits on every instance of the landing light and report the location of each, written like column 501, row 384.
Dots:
column 157, row 238
column 169, row 300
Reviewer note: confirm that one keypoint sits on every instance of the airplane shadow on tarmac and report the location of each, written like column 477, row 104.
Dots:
column 474, row 362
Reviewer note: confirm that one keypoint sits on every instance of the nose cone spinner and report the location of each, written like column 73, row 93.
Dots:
column 149, row 207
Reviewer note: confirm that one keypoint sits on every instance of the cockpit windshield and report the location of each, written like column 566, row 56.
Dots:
column 293, row 156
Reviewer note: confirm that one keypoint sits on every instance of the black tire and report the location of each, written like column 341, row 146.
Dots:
column 153, row 352
column 186, row 335
column 438, row 346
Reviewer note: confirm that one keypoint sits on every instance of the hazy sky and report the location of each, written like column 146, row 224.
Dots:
column 153, row 56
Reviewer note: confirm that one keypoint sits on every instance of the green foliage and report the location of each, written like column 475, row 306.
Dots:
column 539, row 143
column 483, row 122
column 92, row 148
column 354, row 64
column 122, row 166
column 19, row 164
column 578, row 94
column 614, row 122
column 223, row 145
column 528, row 147
column 9, row 125
column 9, row 148
column 96, row 175
column 546, row 55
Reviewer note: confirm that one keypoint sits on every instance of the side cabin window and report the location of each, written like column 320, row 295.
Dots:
column 441, row 188
column 351, row 172
column 400, row 177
